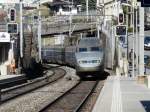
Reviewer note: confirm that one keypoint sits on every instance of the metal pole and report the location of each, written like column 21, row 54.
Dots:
column 87, row 9
column 141, row 41
column 113, row 41
column 137, row 52
column 81, row 35
column 112, row 44
column 127, row 22
column 70, row 20
column 21, row 31
column 133, row 75
column 12, row 47
column 116, row 37
column 98, row 36
column 39, row 33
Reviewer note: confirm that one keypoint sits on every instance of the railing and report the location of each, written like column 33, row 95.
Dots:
column 66, row 23
column 64, row 28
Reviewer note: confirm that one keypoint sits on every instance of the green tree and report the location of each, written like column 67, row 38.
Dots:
column 92, row 4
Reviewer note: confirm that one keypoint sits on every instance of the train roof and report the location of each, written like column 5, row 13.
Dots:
column 89, row 41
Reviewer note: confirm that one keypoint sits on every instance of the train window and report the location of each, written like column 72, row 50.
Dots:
column 95, row 49
column 82, row 49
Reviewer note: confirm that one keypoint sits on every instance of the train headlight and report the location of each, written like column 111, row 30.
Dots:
column 80, row 62
column 96, row 61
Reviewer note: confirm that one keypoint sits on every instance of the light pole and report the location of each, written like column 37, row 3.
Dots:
column 133, row 57
column 21, row 31
column 39, row 31
column 127, row 23
column 87, row 9
column 137, row 39
column 100, row 19
column 70, row 20
column 141, row 41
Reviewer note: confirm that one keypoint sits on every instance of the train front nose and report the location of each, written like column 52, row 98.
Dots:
column 88, row 65
column 89, row 61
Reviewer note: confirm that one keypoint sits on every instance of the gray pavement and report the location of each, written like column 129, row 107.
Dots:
column 123, row 94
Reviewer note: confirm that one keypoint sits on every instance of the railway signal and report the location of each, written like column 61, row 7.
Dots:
column 121, row 18
column 12, row 28
column 145, row 3
column 121, row 30
column 124, row 1
column 12, row 15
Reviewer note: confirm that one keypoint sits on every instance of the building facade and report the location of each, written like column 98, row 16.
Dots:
column 4, row 41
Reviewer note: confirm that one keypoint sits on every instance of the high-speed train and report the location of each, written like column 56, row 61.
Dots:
column 87, row 56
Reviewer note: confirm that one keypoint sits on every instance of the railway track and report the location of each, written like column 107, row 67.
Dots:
column 39, row 98
column 7, row 83
column 73, row 99
column 12, row 92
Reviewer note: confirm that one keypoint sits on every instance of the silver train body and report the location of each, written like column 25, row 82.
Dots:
column 87, row 56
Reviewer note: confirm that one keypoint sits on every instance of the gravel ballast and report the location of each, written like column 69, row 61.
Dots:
column 34, row 101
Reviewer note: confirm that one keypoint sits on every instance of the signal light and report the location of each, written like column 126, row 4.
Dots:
column 12, row 15
column 145, row 3
column 12, row 28
column 124, row 1
column 121, row 30
column 121, row 18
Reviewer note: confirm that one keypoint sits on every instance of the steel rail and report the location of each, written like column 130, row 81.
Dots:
column 31, row 86
column 86, row 98
column 46, row 108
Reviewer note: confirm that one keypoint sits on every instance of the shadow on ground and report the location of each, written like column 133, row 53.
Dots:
column 95, row 76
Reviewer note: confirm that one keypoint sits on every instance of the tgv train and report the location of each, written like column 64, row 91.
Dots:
column 89, row 55
column 86, row 56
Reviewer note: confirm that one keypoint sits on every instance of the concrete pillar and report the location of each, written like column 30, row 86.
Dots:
column 141, row 42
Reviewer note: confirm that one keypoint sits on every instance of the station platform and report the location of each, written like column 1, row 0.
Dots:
column 8, row 80
column 123, row 94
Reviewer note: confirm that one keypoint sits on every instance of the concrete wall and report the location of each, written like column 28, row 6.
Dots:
column 47, row 41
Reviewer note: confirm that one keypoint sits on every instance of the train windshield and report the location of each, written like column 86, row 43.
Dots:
column 82, row 49
column 95, row 49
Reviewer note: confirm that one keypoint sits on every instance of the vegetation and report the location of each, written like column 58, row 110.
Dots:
column 92, row 4
column 130, row 29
